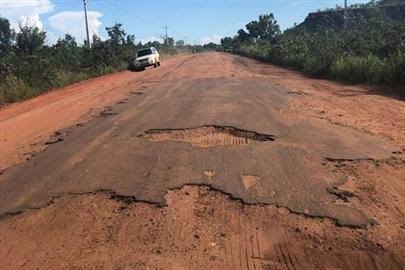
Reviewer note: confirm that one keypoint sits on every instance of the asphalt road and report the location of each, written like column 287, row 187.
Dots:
column 203, row 121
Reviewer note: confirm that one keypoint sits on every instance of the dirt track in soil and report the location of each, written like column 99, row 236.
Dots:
column 226, row 212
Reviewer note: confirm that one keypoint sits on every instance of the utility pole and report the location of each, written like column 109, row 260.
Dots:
column 167, row 41
column 87, row 24
column 345, row 16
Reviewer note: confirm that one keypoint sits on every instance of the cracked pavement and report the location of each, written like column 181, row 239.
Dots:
column 110, row 153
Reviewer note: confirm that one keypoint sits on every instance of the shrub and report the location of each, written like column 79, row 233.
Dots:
column 360, row 69
column 64, row 77
column 256, row 51
column 316, row 66
column 396, row 69
column 13, row 89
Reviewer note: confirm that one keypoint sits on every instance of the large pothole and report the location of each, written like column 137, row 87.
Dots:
column 208, row 136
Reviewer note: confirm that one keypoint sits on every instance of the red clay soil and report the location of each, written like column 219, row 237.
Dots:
column 199, row 229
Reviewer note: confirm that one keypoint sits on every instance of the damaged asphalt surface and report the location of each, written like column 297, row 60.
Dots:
column 111, row 152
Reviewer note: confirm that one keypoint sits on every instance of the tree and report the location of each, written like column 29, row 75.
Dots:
column 67, row 52
column 212, row 46
column 243, row 35
column 180, row 43
column 35, row 67
column 7, row 36
column 228, row 44
column 30, row 39
column 266, row 29
column 68, row 43
column 130, row 40
column 169, row 42
column 116, row 34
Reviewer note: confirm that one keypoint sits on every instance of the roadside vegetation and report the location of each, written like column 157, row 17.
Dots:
column 369, row 48
column 29, row 66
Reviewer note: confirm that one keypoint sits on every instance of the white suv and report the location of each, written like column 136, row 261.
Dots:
column 147, row 57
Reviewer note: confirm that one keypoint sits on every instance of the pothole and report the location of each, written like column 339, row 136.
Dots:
column 208, row 136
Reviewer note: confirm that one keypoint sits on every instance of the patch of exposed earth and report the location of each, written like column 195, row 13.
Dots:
column 198, row 229
column 208, row 136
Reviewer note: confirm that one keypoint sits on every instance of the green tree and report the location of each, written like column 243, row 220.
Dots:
column 180, row 43
column 30, row 39
column 117, row 34
column 227, row 44
column 130, row 40
column 67, row 53
column 169, row 42
column 243, row 35
column 265, row 29
column 7, row 36
column 67, row 44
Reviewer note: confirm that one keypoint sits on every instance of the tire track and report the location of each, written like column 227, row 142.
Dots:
column 239, row 243
column 293, row 257
column 251, row 237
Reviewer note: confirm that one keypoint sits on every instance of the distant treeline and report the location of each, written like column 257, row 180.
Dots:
column 29, row 66
column 369, row 47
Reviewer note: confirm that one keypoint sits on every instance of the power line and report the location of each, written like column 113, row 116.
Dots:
column 135, row 15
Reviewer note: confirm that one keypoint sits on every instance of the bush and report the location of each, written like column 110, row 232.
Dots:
column 63, row 78
column 13, row 89
column 396, row 70
column 260, row 52
column 360, row 69
column 316, row 66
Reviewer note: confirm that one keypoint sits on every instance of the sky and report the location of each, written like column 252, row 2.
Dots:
column 195, row 21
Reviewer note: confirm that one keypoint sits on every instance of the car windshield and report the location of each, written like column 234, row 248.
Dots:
column 144, row 52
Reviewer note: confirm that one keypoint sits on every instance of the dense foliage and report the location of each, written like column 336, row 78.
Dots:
column 29, row 66
column 370, row 48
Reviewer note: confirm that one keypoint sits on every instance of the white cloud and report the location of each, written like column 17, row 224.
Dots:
column 72, row 22
column 51, row 38
column 208, row 39
column 25, row 11
column 296, row 3
column 150, row 39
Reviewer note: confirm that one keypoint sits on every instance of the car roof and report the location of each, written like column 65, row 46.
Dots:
column 149, row 48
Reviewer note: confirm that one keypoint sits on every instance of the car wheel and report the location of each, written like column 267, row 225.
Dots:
column 159, row 63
